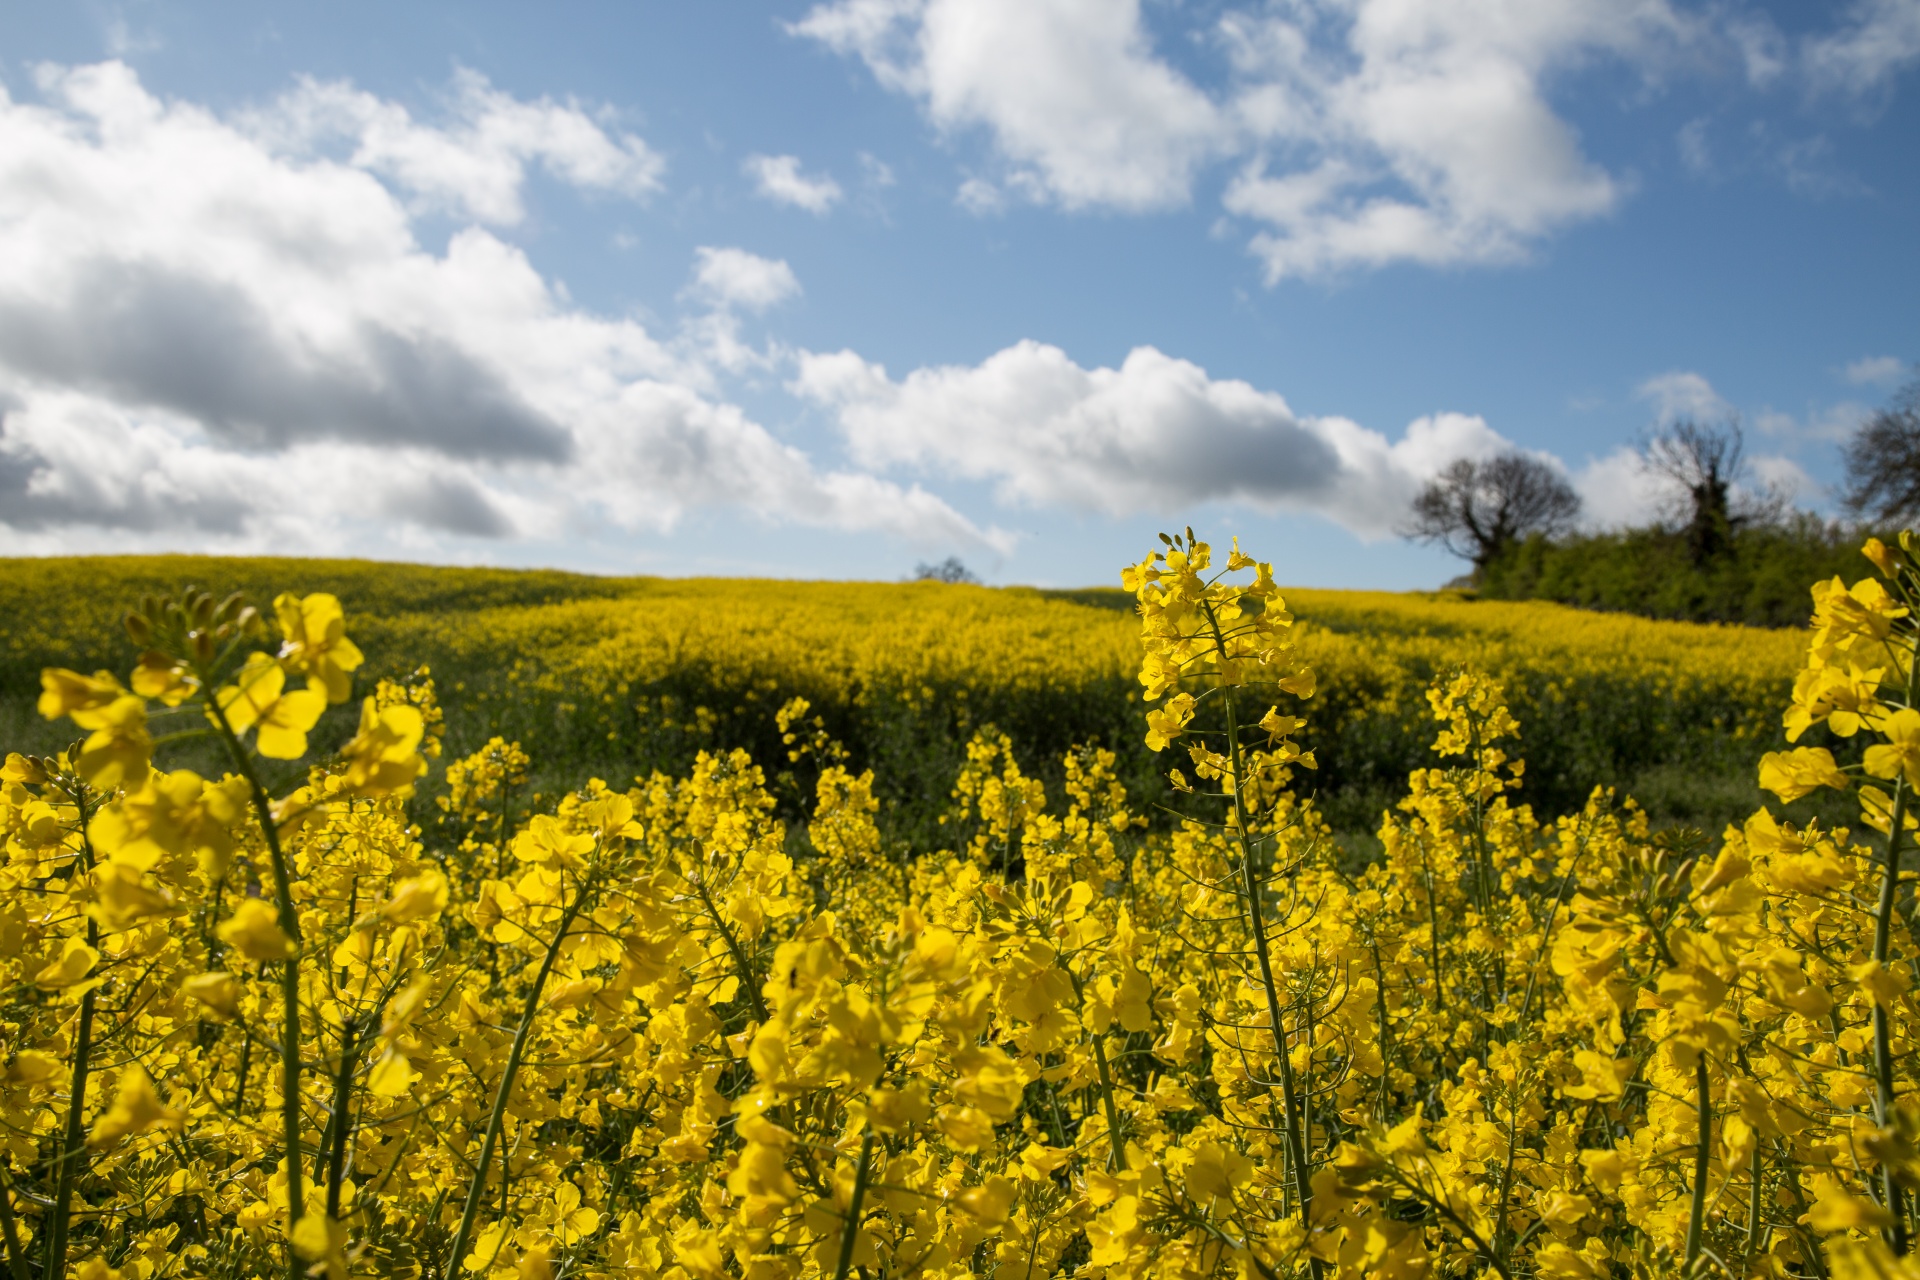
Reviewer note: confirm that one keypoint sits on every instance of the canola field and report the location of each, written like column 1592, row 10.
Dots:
column 291, row 985
column 620, row 676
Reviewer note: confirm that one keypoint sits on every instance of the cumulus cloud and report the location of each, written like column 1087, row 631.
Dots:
column 213, row 334
column 1368, row 131
column 778, row 178
column 1072, row 90
column 1386, row 132
column 1361, row 133
column 1684, row 394
column 473, row 166
column 734, row 277
column 1617, row 491
column 1156, row 434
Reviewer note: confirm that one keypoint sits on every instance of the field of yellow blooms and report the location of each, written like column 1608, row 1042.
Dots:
column 618, row 677
column 273, row 1018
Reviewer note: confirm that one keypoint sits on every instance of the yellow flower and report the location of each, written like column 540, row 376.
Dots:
column 116, row 751
column 991, row 1201
column 254, row 931
column 548, row 842
column 1836, row 1209
column 1900, row 754
column 316, row 643
column 258, row 697
column 136, row 1109
column 1215, row 1172
column 218, row 990
column 68, row 693
column 417, row 898
column 988, row 1080
column 322, row 1240
column 384, row 757
column 74, row 963
column 1800, row 772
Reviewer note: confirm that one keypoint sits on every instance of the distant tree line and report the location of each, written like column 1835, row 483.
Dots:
column 1723, row 547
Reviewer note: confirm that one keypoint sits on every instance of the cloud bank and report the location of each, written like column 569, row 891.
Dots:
column 1361, row 133
column 226, row 332
column 1157, row 434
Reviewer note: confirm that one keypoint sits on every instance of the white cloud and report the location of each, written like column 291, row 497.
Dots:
column 476, row 165
column 1684, row 394
column 1875, row 371
column 1157, row 434
column 211, row 335
column 1368, row 131
column 1393, row 131
column 779, row 179
column 1878, row 40
column 1617, row 492
column 736, row 278
column 1780, row 474
column 1831, row 425
column 1071, row 90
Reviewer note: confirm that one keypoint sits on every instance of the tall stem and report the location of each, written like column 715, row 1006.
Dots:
column 1117, row 1148
column 1703, row 1110
column 1254, row 890
column 289, row 919
column 72, row 1154
column 849, row 1233
column 476, row 1192
column 1891, row 1190
column 16, row 1264
column 1116, row 1142
column 333, row 1160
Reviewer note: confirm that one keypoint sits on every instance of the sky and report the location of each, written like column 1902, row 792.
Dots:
column 834, row 288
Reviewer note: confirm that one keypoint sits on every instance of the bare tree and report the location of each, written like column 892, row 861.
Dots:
column 952, row 569
column 1883, row 462
column 1477, row 510
column 1706, row 463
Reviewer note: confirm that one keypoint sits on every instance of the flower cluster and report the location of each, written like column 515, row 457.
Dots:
column 283, row 1017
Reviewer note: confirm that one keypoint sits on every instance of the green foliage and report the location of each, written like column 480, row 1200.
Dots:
column 1759, row 580
column 599, row 677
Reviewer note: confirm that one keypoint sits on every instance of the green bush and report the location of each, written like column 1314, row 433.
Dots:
column 1761, row 580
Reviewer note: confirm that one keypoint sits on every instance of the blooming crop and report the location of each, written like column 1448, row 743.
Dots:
column 257, row 1020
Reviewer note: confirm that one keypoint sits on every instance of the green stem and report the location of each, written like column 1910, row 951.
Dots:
column 849, row 1234
column 289, row 977
column 741, row 967
column 16, row 1264
column 1115, row 1145
column 1254, row 885
column 73, row 1147
column 334, row 1145
column 1703, row 1108
column 1892, row 1192
column 477, row 1191
column 1116, row 1141
column 1753, row 1206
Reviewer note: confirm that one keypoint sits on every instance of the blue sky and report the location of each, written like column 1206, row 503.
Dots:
column 829, row 289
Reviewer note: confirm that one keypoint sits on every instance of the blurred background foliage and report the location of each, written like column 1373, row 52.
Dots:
column 617, row 677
